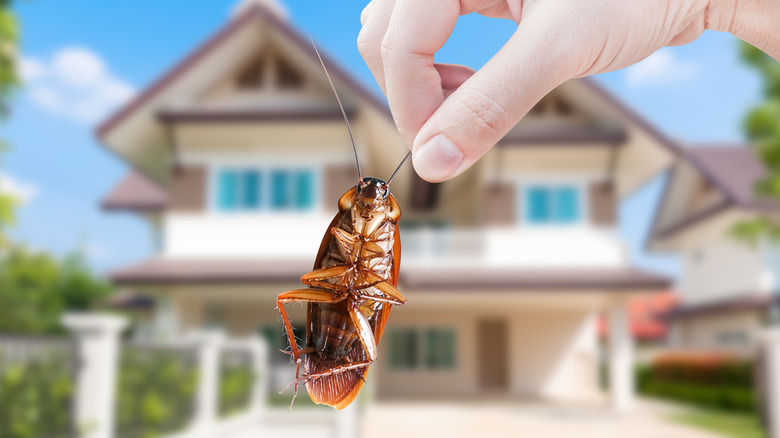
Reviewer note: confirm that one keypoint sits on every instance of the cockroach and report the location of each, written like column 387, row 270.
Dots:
column 351, row 290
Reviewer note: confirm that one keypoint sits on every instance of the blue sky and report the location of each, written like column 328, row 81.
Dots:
column 696, row 93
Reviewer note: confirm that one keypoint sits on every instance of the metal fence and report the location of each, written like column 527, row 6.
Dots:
column 156, row 390
column 37, row 376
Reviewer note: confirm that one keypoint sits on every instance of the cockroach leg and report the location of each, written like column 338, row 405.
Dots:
column 325, row 273
column 364, row 332
column 310, row 295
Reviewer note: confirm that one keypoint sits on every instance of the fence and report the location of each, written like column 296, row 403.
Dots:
column 36, row 387
column 96, row 386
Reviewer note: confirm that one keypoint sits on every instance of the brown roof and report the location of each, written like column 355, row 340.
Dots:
column 566, row 136
column 628, row 279
column 135, row 193
column 743, row 303
column 203, row 271
column 252, row 115
column 734, row 170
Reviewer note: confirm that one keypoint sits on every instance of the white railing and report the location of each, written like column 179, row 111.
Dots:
column 96, row 399
column 550, row 247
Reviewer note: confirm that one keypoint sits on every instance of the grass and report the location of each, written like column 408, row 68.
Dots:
column 724, row 423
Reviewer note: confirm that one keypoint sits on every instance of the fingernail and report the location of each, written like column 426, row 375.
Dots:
column 438, row 159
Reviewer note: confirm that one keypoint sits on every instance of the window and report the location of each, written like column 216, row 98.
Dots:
column 432, row 348
column 552, row 204
column 278, row 189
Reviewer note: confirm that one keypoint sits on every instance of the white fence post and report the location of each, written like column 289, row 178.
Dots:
column 98, row 344
column 262, row 374
column 207, row 410
column 772, row 344
column 347, row 420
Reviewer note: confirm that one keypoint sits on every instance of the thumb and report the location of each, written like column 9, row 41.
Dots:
column 489, row 103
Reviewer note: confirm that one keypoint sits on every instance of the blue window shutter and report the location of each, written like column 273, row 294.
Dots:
column 251, row 190
column 538, row 205
column 227, row 188
column 304, row 189
column 280, row 189
column 567, row 205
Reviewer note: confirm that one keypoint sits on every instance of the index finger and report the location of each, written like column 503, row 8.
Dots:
column 417, row 30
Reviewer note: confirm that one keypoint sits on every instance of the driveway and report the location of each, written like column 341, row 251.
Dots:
column 509, row 419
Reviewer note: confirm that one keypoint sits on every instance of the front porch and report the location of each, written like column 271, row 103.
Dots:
column 464, row 335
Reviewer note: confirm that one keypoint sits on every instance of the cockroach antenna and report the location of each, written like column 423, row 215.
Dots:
column 343, row 113
column 408, row 154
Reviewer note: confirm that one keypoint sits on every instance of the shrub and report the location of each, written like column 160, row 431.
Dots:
column 707, row 380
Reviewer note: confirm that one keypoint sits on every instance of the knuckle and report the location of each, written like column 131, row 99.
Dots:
column 484, row 113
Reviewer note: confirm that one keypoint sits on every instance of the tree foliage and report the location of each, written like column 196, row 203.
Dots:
column 762, row 127
column 9, row 79
column 36, row 288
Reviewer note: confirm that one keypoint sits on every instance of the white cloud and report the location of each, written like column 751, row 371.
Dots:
column 95, row 251
column 21, row 191
column 75, row 84
column 660, row 68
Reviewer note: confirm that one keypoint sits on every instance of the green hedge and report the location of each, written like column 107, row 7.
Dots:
column 36, row 398
column 156, row 392
column 235, row 384
column 715, row 382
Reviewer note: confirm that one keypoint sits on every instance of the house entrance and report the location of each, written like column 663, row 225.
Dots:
column 493, row 354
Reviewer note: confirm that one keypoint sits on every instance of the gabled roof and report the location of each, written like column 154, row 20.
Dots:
column 733, row 171
column 142, row 113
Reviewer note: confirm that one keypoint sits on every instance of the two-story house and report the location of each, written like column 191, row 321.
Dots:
column 728, row 287
column 239, row 155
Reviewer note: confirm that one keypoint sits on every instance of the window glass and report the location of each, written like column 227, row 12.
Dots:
column 247, row 189
column 432, row 349
column 304, row 189
column 538, row 204
column 566, row 208
column 553, row 204
column 280, row 189
column 228, row 187
column 251, row 189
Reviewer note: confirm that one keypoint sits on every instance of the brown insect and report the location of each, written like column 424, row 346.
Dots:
column 350, row 292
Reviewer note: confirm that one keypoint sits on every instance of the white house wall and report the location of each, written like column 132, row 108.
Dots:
column 718, row 266
column 735, row 332
column 561, row 365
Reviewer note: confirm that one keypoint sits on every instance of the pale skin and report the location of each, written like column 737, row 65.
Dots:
column 450, row 115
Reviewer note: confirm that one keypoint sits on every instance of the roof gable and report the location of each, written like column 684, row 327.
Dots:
column 197, row 88
column 706, row 181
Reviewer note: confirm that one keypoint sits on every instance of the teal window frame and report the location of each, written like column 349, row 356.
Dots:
column 547, row 204
column 276, row 189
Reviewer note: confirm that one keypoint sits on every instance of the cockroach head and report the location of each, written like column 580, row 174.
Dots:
column 372, row 190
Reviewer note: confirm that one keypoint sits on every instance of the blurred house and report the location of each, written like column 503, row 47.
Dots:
column 239, row 155
column 728, row 288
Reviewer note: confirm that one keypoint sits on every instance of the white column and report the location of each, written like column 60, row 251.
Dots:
column 772, row 368
column 621, row 358
column 207, row 402
column 347, row 420
column 98, row 344
column 262, row 370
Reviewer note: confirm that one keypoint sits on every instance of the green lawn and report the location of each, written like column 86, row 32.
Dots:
column 726, row 424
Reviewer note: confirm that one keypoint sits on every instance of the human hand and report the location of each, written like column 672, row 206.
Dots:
column 451, row 115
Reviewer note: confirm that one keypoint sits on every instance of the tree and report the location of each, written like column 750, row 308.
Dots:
column 36, row 288
column 762, row 127
column 9, row 79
